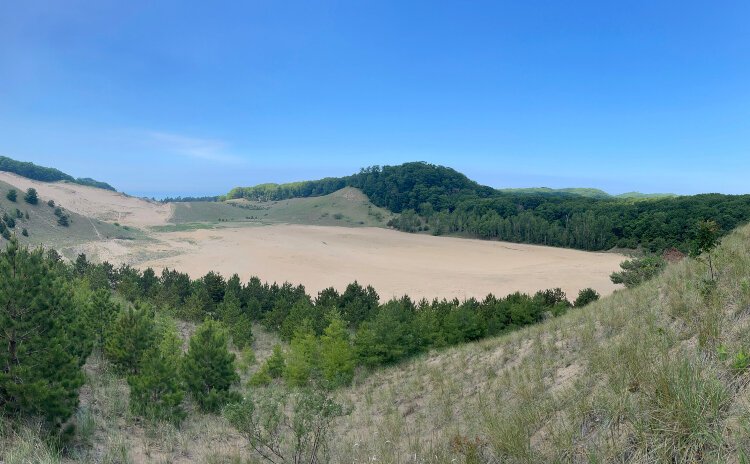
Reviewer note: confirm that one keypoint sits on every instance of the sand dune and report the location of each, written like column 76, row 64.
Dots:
column 97, row 203
column 395, row 263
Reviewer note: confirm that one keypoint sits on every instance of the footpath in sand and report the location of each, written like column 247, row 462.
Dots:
column 395, row 263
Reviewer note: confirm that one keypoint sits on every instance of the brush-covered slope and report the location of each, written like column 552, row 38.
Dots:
column 654, row 374
column 43, row 226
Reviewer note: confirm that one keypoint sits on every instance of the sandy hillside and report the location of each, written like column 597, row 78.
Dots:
column 97, row 203
column 395, row 263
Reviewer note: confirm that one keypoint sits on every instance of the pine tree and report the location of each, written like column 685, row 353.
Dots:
column 31, row 197
column 101, row 313
column 131, row 335
column 208, row 367
column 12, row 195
column 156, row 393
column 238, row 323
column 39, row 371
column 302, row 360
column 337, row 358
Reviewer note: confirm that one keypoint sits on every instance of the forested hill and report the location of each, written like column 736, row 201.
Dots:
column 44, row 174
column 443, row 201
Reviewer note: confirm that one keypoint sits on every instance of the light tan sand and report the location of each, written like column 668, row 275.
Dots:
column 97, row 203
column 395, row 263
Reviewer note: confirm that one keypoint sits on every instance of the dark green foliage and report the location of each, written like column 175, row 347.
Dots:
column 238, row 324
column 19, row 214
column 9, row 221
column 215, row 286
column 636, row 271
column 40, row 367
column 51, row 203
column 31, row 196
column 25, row 232
column 63, row 221
column 101, row 313
column 32, row 171
column 586, row 296
column 390, row 336
column 208, row 368
column 81, row 265
column 12, row 195
column 129, row 337
column 156, row 392
column 443, row 201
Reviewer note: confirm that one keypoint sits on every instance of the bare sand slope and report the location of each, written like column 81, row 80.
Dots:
column 96, row 203
column 395, row 263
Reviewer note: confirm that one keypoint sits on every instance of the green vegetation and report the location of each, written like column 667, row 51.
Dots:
column 31, row 197
column 442, row 201
column 636, row 271
column 11, row 195
column 40, row 354
column 44, row 226
column 208, row 368
column 346, row 207
column 32, row 171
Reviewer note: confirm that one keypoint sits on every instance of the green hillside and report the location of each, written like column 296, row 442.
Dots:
column 443, row 201
column 45, row 174
column 42, row 224
column 345, row 207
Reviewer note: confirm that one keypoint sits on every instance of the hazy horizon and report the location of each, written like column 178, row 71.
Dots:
column 185, row 99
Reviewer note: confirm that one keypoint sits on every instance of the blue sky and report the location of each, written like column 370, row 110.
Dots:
column 168, row 98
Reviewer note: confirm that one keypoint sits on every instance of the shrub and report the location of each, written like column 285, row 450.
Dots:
column 12, row 195
column 31, row 196
column 586, row 296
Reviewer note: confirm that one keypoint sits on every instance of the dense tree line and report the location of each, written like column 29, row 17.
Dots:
column 55, row 314
column 332, row 333
column 44, row 174
column 442, row 201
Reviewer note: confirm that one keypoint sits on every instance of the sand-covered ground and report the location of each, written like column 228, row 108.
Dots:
column 320, row 256
column 96, row 203
column 395, row 263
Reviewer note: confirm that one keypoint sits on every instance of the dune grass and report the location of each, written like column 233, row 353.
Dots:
column 347, row 207
column 658, row 373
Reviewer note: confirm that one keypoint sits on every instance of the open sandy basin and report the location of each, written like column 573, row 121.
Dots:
column 395, row 263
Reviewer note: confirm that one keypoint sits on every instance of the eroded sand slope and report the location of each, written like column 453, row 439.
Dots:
column 96, row 203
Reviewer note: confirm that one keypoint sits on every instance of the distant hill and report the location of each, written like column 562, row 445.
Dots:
column 589, row 193
column 440, row 200
column 44, row 174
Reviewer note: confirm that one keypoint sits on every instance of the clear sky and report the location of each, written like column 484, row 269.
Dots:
column 162, row 97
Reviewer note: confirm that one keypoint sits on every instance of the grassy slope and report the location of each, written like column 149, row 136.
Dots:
column 350, row 203
column 640, row 376
column 43, row 228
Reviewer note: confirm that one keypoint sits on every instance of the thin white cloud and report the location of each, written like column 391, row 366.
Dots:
column 194, row 147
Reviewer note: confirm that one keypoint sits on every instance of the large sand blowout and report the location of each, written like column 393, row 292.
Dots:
column 395, row 263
